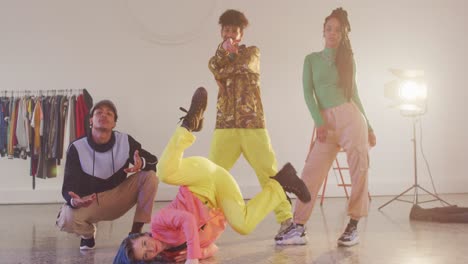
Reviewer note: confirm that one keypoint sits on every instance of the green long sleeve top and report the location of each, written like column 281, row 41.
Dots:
column 320, row 84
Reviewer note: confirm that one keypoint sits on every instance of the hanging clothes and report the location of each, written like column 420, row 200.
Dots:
column 34, row 126
column 72, row 121
column 22, row 128
column 12, row 141
column 63, row 113
column 84, row 103
column 3, row 126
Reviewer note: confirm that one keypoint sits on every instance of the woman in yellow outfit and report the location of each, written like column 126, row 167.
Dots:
column 211, row 185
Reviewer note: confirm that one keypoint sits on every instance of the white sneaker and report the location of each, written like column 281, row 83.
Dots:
column 349, row 237
column 88, row 243
column 293, row 235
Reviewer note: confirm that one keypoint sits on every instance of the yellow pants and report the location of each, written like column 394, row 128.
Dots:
column 255, row 145
column 214, row 185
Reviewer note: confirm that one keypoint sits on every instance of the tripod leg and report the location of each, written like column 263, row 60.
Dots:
column 398, row 196
column 434, row 195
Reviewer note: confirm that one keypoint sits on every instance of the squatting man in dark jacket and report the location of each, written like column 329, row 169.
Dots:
column 96, row 187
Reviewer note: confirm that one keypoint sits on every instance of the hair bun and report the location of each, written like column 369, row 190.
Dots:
column 340, row 11
column 342, row 15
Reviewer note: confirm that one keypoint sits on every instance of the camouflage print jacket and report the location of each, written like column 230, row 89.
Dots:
column 238, row 76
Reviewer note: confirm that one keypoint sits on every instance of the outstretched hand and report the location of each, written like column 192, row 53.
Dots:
column 79, row 202
column 137, row 163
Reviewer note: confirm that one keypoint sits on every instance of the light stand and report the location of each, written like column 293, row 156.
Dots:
column 415, row 185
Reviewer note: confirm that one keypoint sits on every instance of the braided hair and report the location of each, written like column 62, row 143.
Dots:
column 344, row 53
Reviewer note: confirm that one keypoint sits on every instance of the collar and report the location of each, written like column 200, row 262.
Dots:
column 329, row 52
column 101, row 147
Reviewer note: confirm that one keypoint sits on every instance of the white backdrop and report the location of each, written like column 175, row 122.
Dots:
column 148, row 56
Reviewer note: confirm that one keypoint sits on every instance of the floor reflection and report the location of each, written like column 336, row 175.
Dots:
column 29, row 235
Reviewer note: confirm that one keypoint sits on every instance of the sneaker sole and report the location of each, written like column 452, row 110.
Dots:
column 300, row 190
column 199, row 97
column 94, row 235
column 293, row 241
column 202, row 95
column 86, row 248
column 348, row 244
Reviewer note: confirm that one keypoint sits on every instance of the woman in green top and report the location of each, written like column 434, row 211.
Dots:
column 333, row 101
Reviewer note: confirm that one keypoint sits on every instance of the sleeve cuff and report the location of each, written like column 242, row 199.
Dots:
column 72, row 204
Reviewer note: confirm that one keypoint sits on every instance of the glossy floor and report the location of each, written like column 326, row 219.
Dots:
column 29, row 235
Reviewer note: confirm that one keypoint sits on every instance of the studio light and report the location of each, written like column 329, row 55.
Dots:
column 408, row 93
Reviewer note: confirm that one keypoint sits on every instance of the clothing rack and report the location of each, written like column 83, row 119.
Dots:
column 19, row 93
column 33, row 124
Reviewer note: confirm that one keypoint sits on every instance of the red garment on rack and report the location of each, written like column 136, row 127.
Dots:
column 81, row 111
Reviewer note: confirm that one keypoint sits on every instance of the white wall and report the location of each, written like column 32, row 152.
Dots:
column 148, row 56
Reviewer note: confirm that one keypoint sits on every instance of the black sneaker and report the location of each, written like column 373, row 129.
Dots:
column 87, row 243
column 193, row 120
column 349, row 237
column 290, row 182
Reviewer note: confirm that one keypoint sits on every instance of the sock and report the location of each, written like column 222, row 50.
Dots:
column 353, row 222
